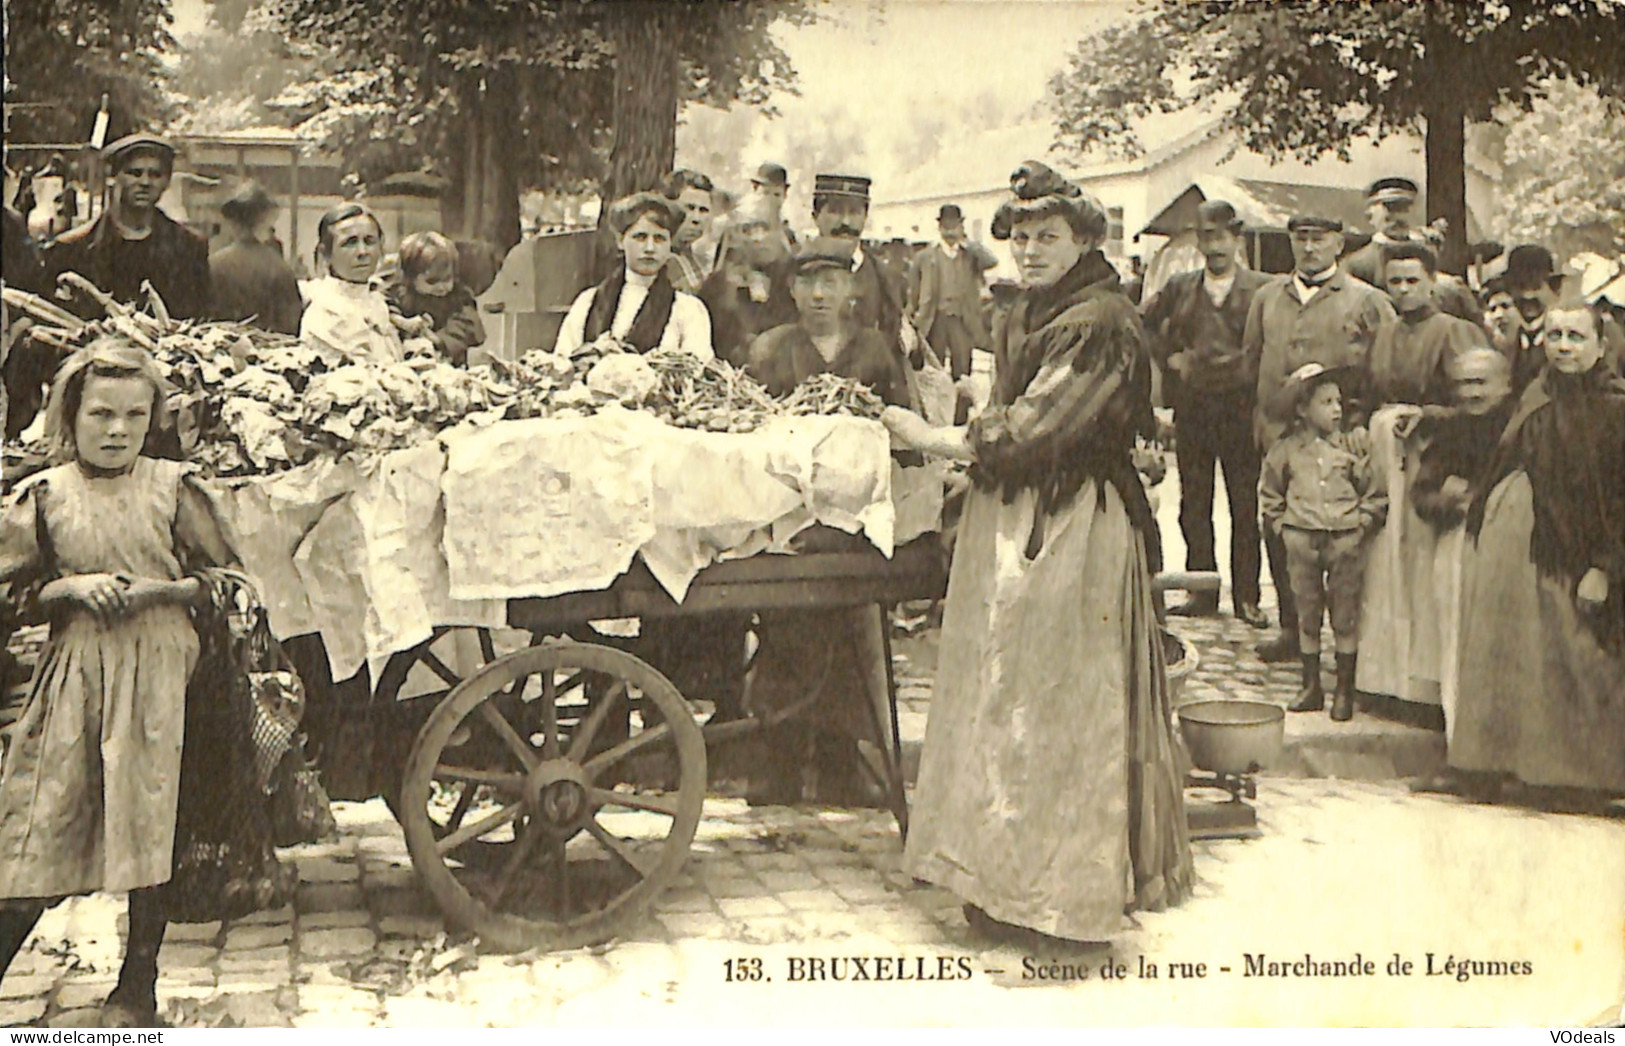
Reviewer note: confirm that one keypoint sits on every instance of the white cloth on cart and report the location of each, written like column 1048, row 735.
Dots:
column 373, row 554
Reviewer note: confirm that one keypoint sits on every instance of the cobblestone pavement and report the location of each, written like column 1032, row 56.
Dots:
column 1341, row 867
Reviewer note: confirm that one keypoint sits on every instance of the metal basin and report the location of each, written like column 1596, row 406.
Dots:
column 1232, row 737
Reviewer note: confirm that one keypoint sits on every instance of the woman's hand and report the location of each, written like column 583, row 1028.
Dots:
column 105, row 595
column 1593, row 589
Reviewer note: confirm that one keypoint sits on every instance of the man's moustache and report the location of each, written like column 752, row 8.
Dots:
column 846, row 230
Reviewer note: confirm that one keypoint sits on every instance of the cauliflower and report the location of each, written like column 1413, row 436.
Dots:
column 260, row 434
column 343, row 389
column 625, row 376
column 262, row 385
column 405, row 388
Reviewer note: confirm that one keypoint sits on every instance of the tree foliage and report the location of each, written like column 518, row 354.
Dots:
column 226, row 74
column 513, row 94
column 1563, row 173
column 70, row 52
column 1303, row 78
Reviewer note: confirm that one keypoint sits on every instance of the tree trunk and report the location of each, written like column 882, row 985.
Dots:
column 1446, row 146
column 644, row 33
column 499, row 188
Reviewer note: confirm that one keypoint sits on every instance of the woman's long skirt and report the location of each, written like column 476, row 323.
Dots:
column 1049, row 790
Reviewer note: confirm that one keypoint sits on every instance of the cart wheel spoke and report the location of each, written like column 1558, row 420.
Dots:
column 582, row 741
column 522, row 849
column 550, row 718
column 510, row 737
column 660, row 804
column 465, row 799
column 494, row 778
column 452, row 840
column 608, row 758
column 433, row 663
column 618, row 848
column 488, row 647
column 561, row 880
column 533, row 889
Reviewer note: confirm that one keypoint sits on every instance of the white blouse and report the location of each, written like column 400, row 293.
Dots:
column 350, row 317
column 688, row 330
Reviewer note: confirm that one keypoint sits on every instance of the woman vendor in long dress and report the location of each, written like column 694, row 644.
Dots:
column 1542, row 661
column 637, row 304
column 343, row 312
column 1049, row 794
column 834, row 654
column 91, row 778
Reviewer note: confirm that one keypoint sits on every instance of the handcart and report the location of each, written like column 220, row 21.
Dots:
column 553, row 791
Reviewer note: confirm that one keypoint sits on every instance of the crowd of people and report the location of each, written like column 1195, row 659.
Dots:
column 1443, row 474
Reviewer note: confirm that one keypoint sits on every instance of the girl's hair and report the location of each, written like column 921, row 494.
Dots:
column 422, row 249
column 106, row 357
column 625, row 212
column 342, row 213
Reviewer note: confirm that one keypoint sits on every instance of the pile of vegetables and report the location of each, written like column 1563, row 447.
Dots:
column 249, row 402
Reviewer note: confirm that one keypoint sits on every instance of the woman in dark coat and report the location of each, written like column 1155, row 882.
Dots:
column 1073, row 812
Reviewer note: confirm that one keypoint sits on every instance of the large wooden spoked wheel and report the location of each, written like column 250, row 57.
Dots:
column 581, row 823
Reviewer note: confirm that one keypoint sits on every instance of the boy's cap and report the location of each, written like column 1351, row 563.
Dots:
column 823, row 253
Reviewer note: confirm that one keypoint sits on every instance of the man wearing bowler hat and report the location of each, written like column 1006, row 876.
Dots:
column 1315, row 314
column 840, row 207
column 773, row 182
column 1531, row 277
column 248, row 278
column 949, row 304
column 134, row 240
column 1390, row 203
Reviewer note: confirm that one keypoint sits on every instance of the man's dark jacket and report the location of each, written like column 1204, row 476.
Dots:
column 173, row 258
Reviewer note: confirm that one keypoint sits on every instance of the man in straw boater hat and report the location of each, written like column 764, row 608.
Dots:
column 1389, row 205
column 1194, row 326
column 1315, row 314
column 248, row 278
column 134, row 241
column 948, row 312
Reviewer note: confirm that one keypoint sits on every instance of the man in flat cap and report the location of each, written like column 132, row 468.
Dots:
column 248, row 278
column 948, row 307
column 134, row 240
column 1389, row 206
column 1315, row 314
column 1195, row 325
column 840, row 650
column 840, row 208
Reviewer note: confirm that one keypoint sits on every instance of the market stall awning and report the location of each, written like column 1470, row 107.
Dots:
column 1267, row 206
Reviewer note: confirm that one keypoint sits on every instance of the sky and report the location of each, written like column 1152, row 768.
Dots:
column 877, row 66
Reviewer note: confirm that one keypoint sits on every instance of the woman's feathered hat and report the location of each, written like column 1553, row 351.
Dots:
column 1038, row 191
